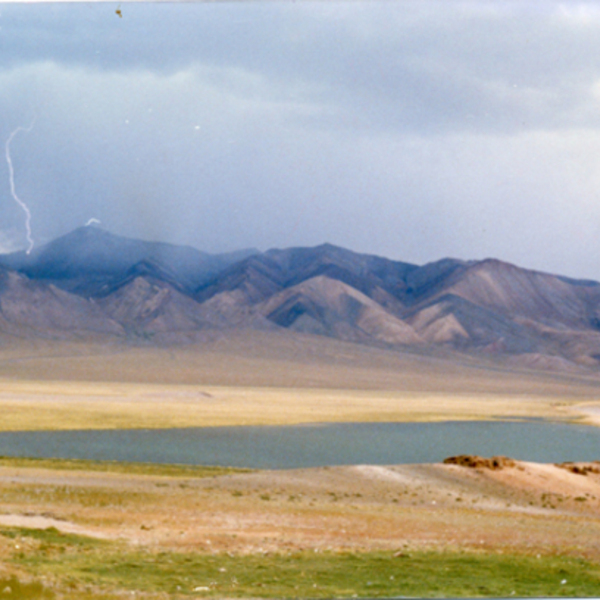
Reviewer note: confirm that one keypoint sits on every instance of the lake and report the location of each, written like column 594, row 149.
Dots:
column 284, row 447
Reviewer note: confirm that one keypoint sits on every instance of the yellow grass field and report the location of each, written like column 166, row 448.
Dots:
column 266, row 379
column 53, row 405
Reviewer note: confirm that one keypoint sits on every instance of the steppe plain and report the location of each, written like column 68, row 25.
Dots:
column 84, row 529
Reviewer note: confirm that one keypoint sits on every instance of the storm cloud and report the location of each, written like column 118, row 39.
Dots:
column 414, row 130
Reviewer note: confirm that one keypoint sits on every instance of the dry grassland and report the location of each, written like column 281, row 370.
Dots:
column 528, row 508
column 268, row 380
column 60, row 406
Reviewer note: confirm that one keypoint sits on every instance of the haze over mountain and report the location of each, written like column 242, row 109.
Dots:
column 93, row 283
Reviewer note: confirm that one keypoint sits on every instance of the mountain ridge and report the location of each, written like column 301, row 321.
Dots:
column 93, row 282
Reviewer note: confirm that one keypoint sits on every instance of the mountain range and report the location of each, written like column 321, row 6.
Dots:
column 91, row 283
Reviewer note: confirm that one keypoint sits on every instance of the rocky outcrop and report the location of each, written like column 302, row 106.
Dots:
column 471, row 461
column 581, row 468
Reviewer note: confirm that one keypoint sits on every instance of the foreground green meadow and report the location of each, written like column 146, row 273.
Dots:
column 51, row 563
column 76, row 567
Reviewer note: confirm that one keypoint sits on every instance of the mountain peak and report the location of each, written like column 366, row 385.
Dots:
column 76, row 260
column 83, row 234
column 494, row 264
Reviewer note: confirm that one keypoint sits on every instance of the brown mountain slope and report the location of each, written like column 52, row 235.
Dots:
column 503, row 309
column 460, row 323
column 262, row 275
column 521, row 293
column 147, row 307
column 329, row 307
column 35, row 308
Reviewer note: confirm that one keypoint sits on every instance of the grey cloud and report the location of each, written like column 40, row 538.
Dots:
column 414, row 130
column 428, row 67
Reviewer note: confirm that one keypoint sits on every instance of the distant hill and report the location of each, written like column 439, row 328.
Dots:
column 90, row 282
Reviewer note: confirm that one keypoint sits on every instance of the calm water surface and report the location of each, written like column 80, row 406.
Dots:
column 315, row 445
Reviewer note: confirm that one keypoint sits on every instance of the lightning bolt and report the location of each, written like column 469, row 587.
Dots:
column 11, row 174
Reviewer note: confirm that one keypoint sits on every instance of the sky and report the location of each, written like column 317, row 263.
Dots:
column 414, row 130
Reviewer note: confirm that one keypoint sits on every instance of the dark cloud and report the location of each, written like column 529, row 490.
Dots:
column 411, row 129
column 446, row 66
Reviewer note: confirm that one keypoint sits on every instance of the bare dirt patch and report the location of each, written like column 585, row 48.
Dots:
column 29, row 521
column 588, row 412
column 526, row 507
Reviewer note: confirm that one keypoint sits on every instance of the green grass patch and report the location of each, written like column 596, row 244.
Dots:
column 50, row 536
column 76, row 564
column 128, row 468
column 13, row 589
